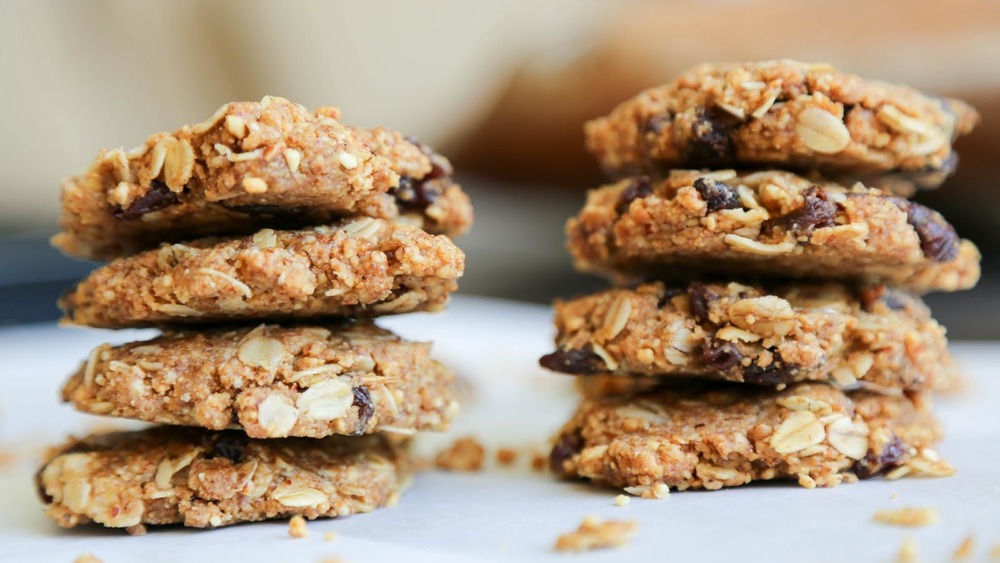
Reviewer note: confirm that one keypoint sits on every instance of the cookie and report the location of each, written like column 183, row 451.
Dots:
column 603, row 385
column 785, row 114
column 205, row 479
column 255, row 165
column 768, row 223
column 766, row 335
column 271, row 381
column 696, row 437
column 360, row 267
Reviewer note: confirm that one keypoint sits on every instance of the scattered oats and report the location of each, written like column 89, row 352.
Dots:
column 609, row 360
column 735, row 111
column 617, row 317
column 807, row 481
column 297, row 527
column 329, row 536
column 751, row 246
column 236, row 126
column 910, row 517
column 965, row 550
column 254, row 185
column 88, row 558
column 798, row 431
column 622, row 500
column 348, row 160
column 465, row 454
column 595, row 534
column 908, row 552
column 657, row 491
column 506, row 456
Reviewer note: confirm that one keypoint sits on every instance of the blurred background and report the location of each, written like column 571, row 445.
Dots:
column 501, row 87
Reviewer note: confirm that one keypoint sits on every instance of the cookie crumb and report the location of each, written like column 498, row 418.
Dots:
column 88, row 558
column 657, row 491
column 506, row 456
column 297, row 527
column 965, row 550
column 137, row 530
column 910, row 517
column 329, row 536
column 622, row 500
column 465, row 454
column 894, row 496
column 594, row 533
column 908, row 552
column 7, row 458
column 539, row 462
column 995, row 552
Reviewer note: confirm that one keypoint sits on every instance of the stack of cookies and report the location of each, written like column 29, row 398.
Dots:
column 261, row 242
column 767, row 322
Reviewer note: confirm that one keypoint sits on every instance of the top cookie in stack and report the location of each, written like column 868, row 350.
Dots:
column 766, row 205
column 262, row 241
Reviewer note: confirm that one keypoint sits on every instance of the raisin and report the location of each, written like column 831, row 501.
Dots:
column 873, row 465
column 816, row 211
column 576, row 361
column 40, row 487
column 871, row 295
column 363, row 400
column 720, row 355
column 416, row 195
column 700, row 297
column 718, row 195
column 440, row 167
column 775, row 373
column 567, row 446
column 711, row 142
column 638, row 188
column 938, row 239
column 230, row 445
column 158, row 196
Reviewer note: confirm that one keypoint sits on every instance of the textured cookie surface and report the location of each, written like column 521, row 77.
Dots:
column 202, row 479
column 253, row 165
column 786, row 114
column 768, row 223
column 703, row 437
column 755, row 334
column 272, row 381
column 362, row 267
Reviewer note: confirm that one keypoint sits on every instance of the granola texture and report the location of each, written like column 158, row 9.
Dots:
column 800, row 116
column 205, row 479
column 360, row 268
column 769, row 223
column 271, row 381
column 252, row 165
column 694, row 437
column 767, row 335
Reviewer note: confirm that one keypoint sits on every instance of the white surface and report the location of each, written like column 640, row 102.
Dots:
column 506, row 514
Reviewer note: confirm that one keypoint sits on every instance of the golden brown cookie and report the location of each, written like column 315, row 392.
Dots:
column 694, row 437
column 253, row 165
column 271, row 381
column 767, row 335
column 205, row 479
column 360, row 267
column 769, row 223
column 786, row 114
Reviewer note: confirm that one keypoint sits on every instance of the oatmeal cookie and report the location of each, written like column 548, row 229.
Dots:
column 786, row 114
column 271, row 381
column 769, row 223
column 695, row 437
column 767, row 335
column 206, row 479
column 254, row 165
column 361, row 268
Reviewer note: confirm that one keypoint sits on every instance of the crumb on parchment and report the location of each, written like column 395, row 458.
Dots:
column 464, row 454
column 594, row 533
